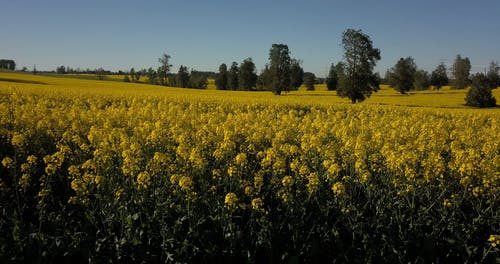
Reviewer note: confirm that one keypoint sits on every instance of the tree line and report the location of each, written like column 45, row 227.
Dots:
column 288, row 72
column 352, row 78
column 281, row 74
column 184, row 77
column 406, row 76
column 7, row 64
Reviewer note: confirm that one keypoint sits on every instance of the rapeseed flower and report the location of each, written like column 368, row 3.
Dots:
column 287, row 181
column 231, row 200
column 7, row 162
column 257, row 204
column 185, row 182
column 338, row 188
column 494, row 240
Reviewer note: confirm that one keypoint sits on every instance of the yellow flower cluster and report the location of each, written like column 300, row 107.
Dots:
column 231, row 200
column 7, row 162
column 105, row 140
column 338, row 188
column 494, row 240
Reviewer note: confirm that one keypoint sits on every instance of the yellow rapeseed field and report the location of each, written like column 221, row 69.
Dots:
column 302, row 161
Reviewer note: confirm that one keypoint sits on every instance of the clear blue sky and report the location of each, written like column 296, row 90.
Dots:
column 118, row 35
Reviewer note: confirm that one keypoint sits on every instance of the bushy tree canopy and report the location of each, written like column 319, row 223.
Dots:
column 421, row 80
column 247, row 75
column 183, row 77
column 493, row 75
column 480, row 94
column 233, row 76
column 221, row 81
column 461, row 72
column 332, row 79
column 309, row 80
column 296, row 74
column 402, row 75
column 439, row 78
column 360, row 59
column 280, row 61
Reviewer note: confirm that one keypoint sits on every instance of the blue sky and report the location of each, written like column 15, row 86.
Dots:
column 118, row 35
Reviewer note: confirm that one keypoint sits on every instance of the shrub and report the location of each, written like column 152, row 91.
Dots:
column 480, row 94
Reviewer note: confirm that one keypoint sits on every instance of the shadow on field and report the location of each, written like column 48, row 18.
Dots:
column 20, row 81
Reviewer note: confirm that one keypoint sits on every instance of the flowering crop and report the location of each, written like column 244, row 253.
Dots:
column 190, row 177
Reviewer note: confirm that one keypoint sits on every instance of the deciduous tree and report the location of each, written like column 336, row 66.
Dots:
column 309, row 80
column 480, row 94
column 296, row 74
column 439, row 78
column 340, row 71
column 493, row 75
column 221, row 81
column 360, row 59
column 332, row 79
column 183, row 77
column 61, row 70
column 279, row 66
column 402, row 75
column 247, row 75
column 132, row 75
column 461, row 72
column 151, row 74
column 164, row 69
column 8, row 64
column 264, row 80
column 233, row 83
column 198, row 79
column 421, row 80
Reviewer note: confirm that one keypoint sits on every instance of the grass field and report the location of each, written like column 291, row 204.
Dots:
column 106, row 171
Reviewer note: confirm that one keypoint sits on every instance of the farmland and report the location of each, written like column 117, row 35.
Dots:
column 125, row 171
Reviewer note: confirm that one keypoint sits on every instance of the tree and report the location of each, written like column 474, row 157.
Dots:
column 421, row 80
column 480, row 94
column 461, row 72
column 247, row 75
column 296, row 74
column 340, row 71
column 164, row 69
column 233, row 75
column 132, row 75
column 332, row 79
column 161, row 77
column 100, row 73
column 309, row 80
column 439, row 78
column 198, row 79
column 493, row 75
column 126, row 78
column 151, row 74
column 279, row 58
column 61, row 70
column 8, row 64
column 138, row 75
column 221, row 81
column 35, row 72
column 360, row 59
column 183, row 77
column 265, row 79
column 402, row 75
